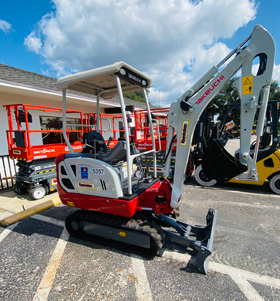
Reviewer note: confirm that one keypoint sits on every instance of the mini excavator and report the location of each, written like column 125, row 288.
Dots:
column 118, row 205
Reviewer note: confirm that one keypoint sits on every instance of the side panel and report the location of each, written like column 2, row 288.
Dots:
column 120, row 207
column 89, row 176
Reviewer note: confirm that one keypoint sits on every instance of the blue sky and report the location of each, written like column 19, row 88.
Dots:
column 173, row 41
column 23, row 16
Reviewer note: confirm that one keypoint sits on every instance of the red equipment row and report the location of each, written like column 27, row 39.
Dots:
column 22, row 129
column 142, row 135
column 19, row 139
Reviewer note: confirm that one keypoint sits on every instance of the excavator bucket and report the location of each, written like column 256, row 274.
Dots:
column 198, row 238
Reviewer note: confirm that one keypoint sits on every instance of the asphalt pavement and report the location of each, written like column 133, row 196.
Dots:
column 40, row 261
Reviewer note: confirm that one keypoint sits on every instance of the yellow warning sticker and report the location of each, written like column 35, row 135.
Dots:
column 247, row 84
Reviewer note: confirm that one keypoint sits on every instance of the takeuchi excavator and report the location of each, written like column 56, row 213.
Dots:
column 125, row 209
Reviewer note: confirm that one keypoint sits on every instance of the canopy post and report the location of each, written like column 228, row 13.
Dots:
column 97, row 113
column 127, row 142
column 64, row 121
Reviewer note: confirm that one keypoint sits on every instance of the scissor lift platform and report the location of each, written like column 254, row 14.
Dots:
column 36, row 171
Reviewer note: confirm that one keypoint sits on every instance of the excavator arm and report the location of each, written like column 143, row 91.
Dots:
column 184, row 114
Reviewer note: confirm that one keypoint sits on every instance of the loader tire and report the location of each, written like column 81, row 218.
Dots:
column 274, row 183
column 202, row 179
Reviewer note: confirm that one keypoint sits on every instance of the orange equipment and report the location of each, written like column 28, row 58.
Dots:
column 36, row 149
column 21, row 146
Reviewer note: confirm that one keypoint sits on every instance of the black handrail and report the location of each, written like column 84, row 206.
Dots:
column 7, row 172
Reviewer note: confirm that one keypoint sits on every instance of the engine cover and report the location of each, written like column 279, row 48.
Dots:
column 89, row 176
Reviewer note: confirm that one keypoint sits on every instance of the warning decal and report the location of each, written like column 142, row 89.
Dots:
column 84, row 172
column 247, row 84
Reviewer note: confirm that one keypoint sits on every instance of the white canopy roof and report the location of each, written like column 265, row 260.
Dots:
column 102, row 80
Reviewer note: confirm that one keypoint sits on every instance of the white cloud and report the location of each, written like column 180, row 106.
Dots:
column 173, row 41
column 5, row 26
column 33, row 43
column 276, row 73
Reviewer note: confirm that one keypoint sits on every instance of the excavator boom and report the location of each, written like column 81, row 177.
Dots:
column 184, row 114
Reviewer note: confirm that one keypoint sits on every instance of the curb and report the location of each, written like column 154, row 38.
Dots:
column 31, row 211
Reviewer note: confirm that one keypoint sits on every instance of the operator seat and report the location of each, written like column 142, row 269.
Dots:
column 116, row 154
column 94, row 143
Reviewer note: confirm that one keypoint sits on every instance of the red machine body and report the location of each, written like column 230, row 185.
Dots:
column 126, row 207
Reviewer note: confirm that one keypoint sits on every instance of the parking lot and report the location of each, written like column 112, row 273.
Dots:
column 39, row 261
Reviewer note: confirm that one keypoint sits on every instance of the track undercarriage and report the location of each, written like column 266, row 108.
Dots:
column 139, row 236
column 144, row 234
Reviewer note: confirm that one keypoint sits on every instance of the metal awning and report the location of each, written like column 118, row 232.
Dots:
column 102, row 82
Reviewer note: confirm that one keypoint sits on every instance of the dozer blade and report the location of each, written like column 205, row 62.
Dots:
column 186, row 235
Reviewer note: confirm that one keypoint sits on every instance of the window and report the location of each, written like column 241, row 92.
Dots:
column 50, row 123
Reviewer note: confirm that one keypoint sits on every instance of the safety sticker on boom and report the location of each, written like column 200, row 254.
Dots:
column 247, row 84
column 184, row 133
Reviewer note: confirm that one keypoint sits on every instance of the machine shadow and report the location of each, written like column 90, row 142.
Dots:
column 33, row 226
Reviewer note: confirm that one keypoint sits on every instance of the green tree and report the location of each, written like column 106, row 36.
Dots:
column 136, row 95
column 227, row 96
column 274, row 91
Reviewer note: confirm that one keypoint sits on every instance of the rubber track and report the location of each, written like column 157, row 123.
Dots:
column 150, row 228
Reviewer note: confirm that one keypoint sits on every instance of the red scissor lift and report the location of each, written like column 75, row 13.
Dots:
column 36, row 159
column 110, row 126
column 143, row 140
